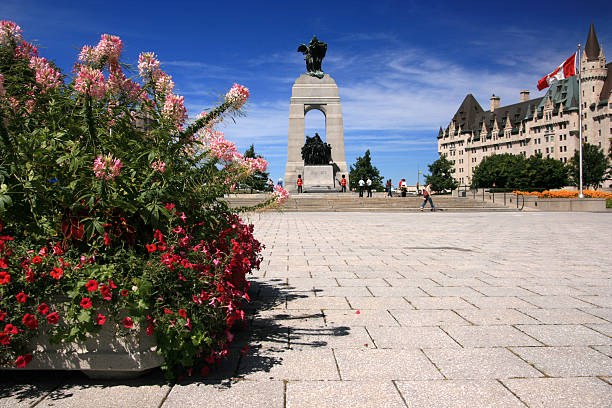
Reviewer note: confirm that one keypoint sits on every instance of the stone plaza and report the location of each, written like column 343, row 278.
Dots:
column 478, row 309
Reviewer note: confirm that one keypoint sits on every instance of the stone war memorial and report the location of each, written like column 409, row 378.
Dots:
column 315, row 90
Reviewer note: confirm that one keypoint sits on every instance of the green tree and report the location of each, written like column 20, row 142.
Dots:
column 515, row 171
column 441, row 175
column 363, row 169
column 595, row 166
column 259, row 179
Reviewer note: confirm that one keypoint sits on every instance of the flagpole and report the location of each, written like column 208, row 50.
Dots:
column 580, row 195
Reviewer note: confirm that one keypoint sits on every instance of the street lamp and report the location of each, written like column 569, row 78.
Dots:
column 419, row 172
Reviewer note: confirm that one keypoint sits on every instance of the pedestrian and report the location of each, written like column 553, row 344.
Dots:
column 369, row 187
column 299, row 183
column 270, row 184
column 388, row 188
column 402, row 186
column 427, row 197
column 279, row 182
column 361, row 184
column 343, row 183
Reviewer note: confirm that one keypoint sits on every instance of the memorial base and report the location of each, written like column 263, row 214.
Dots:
column 319, row 178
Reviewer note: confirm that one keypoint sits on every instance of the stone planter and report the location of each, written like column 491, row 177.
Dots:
column 105, row 355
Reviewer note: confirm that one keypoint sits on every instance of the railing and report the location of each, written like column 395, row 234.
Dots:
column 489, row 195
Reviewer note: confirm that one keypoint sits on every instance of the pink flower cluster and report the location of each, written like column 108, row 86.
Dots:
column 148, row 65
column 163, row 83
column 223, row 149
column 9, row 32
column 174, row 110
column 107, row 52
column 118, row 84
column 253, row 165
column 280, row 195
column 158, row 166
column 107, row 167
column 46, row 76
column 237, row 96
column 90, row 81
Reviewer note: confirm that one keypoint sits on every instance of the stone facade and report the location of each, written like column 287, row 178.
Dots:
column 548, row 125
column 309, row 93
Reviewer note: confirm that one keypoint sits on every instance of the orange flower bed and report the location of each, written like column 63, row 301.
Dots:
column 565, row 194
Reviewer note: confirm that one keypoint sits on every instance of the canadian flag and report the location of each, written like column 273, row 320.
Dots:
column 565, row 70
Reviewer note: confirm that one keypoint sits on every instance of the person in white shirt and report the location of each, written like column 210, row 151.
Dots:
column 369, row 184
column 427, row 197
column 361, row 184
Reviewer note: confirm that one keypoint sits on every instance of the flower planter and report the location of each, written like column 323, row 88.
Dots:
column 105, row 355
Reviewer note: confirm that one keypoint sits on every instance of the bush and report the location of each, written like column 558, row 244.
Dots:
column 109, row 209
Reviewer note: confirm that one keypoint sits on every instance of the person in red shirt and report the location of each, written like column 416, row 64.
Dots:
column 299, row 183
column 343, row 184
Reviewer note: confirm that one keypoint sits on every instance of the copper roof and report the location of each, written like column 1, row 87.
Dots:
column 591, row 49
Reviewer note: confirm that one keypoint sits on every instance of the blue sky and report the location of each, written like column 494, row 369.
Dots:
column 402, row 67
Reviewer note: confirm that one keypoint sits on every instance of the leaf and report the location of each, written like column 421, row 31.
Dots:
column 84, row 316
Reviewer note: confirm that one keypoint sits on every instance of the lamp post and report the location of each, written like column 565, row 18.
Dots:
column 419, row 172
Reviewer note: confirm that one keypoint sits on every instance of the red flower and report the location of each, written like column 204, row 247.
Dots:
column 182, row 313
column 53, row 318
column 5, row 339
column 57, row 273
column 5, row 278
column 128, row 322
column 2, row 315
column 112, row 284
column 36, row 260
column 92, row 285
column 30, row 275
column 101, row 319
column 21, row 297
column 30, row 321
column 43, row 309
column 169, row 206
column 166, row 311
column 150, row 329
column 10, row 329
column 23, row 361
column 106, row 292
column 86, row 303
column 107, row 240
column 151, row 247
column 3, row 263
column 124, row 292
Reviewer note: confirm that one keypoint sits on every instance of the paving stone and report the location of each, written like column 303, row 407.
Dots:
column 24, row 389
column 497, row 302
column 565, row 335
column 607, row 350
column 343, row 394
column 457, row 394
column 329, row 336
column 311, row 283
column 411, row 282
column 411, row 337
column 381, row 365
column 602, row 313
column 428, row 317
column 379, row 303
column 489, row 336
column 563, row 316
column 343, row 291
column 318, row 303
column 603, row 301
column 555, row 302
column 502, row 291
column 487, row 317
column 366, row 317
column 89, row 393
column 605, row 329
column 289, row 318
column 440, row 303
column 289, row 364
column 381, row 291
column 566, row 361
column 229, row 394
column 363, row 282
column 548, row 290
column 480, row 363
column 459, row 291
column 562, row 392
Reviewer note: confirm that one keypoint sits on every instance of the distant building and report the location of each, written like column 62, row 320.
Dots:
column 547, row 125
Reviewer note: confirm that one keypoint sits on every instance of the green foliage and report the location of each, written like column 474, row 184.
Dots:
column 363, row 169
column 595, row 166
column 258, row 180
column 517, row 172
column 441, row 175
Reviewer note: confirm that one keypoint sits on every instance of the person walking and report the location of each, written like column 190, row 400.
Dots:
column 343, row 183
column 279, row 182
column 270, row 184
column 361, row 184
column 427, row 197
column 403, row 188
column 388, row 188
column 300, row 182
column 369, row 187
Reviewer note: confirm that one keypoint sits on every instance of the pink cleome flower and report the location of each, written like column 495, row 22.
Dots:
column 148, row 65
column 90, row 81
column 118, row 84
column 107, row 167
column 46, row 76
column 9, row 32
column 253, row 165
column 107, row 52
column 280, row 195
column 158, row 166
column 163, row 83
column 237, row 96
column 174, row 110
